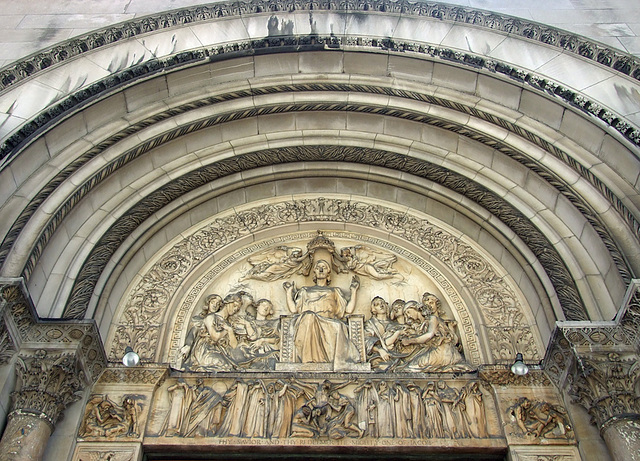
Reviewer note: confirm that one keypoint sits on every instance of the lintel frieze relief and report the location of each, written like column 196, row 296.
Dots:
column 292, row 411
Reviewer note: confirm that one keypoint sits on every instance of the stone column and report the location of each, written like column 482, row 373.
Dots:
column 48, row 381
column 604, row 383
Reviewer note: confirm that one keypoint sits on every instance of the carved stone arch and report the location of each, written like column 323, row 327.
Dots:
column 610, row 242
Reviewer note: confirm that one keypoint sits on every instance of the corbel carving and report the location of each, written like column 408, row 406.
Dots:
column 598, row 362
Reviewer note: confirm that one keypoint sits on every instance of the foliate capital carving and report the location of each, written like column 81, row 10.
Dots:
column 48, row 383
column 604, row 383
column 599, row 362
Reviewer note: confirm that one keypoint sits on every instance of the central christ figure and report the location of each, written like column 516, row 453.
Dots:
column 320, row 333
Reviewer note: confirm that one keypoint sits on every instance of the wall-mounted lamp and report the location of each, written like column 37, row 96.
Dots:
column 519, row 367
column 130, row 359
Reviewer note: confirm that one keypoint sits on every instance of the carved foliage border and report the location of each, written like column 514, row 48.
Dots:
column 548, row 257
column 148, row 300
column 465, row 322
column 571, row 43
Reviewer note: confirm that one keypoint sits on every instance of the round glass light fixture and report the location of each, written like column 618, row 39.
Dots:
column 130, row 359
column 519, row 367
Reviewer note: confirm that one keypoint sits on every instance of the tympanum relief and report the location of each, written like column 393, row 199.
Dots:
column 286, row 313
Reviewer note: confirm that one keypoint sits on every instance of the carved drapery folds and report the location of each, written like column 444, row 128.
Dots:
column 322, row 409
column 315, row 326
column 273, row 262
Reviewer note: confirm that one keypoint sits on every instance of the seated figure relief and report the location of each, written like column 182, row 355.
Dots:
column 105, row 418
column 412, row 337
column 320, row 333
column 320, row 326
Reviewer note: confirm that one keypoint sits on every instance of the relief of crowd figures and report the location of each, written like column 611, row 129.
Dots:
column 104, row 417
column 540, row 419
column 282, row 408
column 239, row 333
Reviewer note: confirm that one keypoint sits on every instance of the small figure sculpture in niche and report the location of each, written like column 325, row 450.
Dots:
column 105, row 418
column 540, row 419
column 321, row 335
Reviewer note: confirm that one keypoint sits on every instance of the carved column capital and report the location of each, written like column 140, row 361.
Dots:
column 598, row 362
column 605, row 384
column 48, row 383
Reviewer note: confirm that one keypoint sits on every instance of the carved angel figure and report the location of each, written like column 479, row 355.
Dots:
column 368, row 262
column 278, row 263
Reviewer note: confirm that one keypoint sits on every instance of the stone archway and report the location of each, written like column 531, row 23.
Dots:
column 529, row 167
